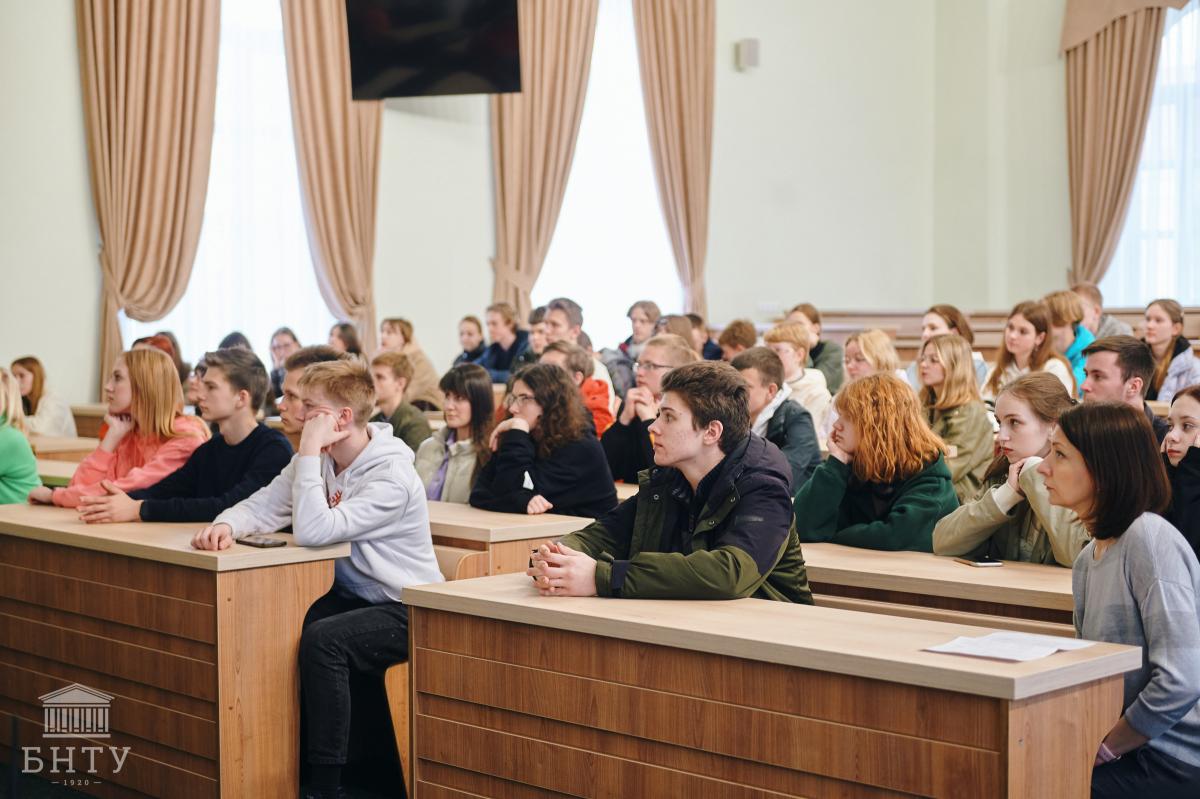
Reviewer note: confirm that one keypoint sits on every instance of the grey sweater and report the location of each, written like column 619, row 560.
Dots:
column 1145, row 591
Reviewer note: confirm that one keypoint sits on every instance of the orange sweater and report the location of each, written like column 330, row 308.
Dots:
column 595, row 397
column 138, row 462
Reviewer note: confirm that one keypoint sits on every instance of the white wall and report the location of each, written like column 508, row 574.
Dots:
column 50, row 289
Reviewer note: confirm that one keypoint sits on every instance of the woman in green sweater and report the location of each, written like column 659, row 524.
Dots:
column 885, row 483
column 1010, row 517
column 950, row 397
column 18, row 467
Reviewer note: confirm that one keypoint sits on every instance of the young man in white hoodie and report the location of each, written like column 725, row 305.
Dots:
column 350, row 481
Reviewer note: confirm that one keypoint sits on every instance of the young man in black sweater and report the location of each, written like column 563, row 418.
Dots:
column 241, row 458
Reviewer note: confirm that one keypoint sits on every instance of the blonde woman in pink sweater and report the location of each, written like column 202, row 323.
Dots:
column 148, row 437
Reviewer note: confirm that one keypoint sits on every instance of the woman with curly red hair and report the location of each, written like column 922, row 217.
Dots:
column 546, row 456
column 885, row 483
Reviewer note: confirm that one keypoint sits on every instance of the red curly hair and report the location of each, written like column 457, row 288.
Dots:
column 894, row 440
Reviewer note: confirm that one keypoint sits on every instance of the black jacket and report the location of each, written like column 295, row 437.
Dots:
column 1184, row 511
column 791, row 429
column 627, row 447
column 733, row 537
column 575, row 478
column 473, row 356
column 500, row 362
column 216, row 476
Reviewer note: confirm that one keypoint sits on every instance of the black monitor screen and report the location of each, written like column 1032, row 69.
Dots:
column 406, row 48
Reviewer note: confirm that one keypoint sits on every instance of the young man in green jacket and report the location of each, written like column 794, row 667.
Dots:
column 712, row 518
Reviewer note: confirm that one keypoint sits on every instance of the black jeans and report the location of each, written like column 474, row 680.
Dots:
column 1146, row 772
column 345, row 637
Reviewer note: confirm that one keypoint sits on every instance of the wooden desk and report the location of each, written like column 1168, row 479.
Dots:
column 1021, row 590
column 197, row 649
column 506, row 537
column 56, row 473
column 520, row 695
column 88, row 418
column 63, row 449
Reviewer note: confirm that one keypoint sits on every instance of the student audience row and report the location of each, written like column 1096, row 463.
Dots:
column 727, row 457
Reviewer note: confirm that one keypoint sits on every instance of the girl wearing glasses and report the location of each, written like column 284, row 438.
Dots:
column 545, row 456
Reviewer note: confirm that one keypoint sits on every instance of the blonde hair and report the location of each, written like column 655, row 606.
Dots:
column 960, row 385
column 894, row 440
column 11, row 411
column 798, row 334
column 877, row 348
column 156, row 398
column 402, row 325
column 679, row 350
column 347, row 383
column 1065, row 307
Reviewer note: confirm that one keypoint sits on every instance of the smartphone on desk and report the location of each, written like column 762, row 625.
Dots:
column 262, row 541
column 983, row 560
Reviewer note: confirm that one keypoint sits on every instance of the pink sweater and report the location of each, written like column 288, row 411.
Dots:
column 137, row 463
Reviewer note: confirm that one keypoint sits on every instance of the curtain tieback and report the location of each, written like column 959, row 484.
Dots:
column 520, row 280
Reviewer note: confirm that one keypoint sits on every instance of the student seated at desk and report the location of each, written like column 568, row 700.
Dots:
column 950, row 398
column 627, row 444
column 1176, row 365
column 392, row 373
column 242, row 457
column 18, row 466
column 45, row 413
column 885, row 483
column 1181, row 451
column 351, row 481
column 940, row 320
column 775, row 415
column 711, row 520
column 148, row 436
column 868, row 352
column 1027, row 348
column 572, row 359
column 1010, row 517
column 397, row 335
column 790, row 342
column 702, row 340
column 508, row 343
column 470, row 338
column 737, row 337
column 826, row 356
column 537, row 342
column 284, row 344
column 546, row 456
column 1137, row 583
column 1119, row 369
column 343, row 337
column 291, row 409
column 449, row 460
column 1067, row 333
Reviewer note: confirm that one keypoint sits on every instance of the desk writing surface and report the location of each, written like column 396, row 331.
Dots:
column 167, row 543
column 867, row 645
column 56, row 473
column 1030, row 584
column 94, row 409
column 459, row 520
column 43, row 445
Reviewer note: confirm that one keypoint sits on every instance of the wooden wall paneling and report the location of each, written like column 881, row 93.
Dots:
column 260, row 613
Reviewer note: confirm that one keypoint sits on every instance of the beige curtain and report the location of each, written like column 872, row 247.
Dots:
column 533, row 139
column 676, row 51
column 1110, row 82
column 1083, row 19
column 337, row 150
column 148, row 72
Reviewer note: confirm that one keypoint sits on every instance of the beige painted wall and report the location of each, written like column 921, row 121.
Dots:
column 884, row 155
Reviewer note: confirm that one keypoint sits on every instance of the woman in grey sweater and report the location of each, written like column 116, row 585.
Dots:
column 1136, row 583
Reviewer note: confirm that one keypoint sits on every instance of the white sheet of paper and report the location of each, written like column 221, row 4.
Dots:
column 1011, row 646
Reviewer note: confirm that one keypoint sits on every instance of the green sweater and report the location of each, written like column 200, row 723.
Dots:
column 408, row 424
column 18, row 467
column 834, row 506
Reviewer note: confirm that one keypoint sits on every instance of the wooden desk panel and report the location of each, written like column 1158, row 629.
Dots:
column 1020, row 590
column 63, row 449
column 518, row 695
column 56, row 473
column 199, row 656
column 505, row 537
column 89, row 417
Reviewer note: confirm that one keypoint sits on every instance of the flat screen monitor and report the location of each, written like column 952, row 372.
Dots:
column 410, row 48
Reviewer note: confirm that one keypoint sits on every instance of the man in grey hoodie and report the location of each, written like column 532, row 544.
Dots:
column 350, row 481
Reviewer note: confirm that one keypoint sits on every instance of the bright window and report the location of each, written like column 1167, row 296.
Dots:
column 253, row 269
column 610, row 247
column 1159, row 251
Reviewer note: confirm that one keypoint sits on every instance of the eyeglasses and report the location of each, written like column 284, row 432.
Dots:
column 650, row 366
column 518, row 400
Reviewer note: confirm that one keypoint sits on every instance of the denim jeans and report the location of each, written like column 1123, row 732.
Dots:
column 344, row 636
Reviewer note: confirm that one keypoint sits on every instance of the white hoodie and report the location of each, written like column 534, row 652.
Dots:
column 764, row 416
column 377, row 504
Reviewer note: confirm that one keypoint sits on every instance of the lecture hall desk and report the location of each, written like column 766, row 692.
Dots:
column 198, row 649
column 506, row 537
column 89, row 417
column 56, row 473
column 63, row 448
column 520, row 695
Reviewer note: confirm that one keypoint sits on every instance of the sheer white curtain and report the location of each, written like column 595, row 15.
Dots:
column 253, row 268
column 610, row 247
column 1159, row 251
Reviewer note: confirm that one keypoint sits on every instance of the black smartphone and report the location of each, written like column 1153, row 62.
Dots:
column 262, row 541
column 985, row 560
